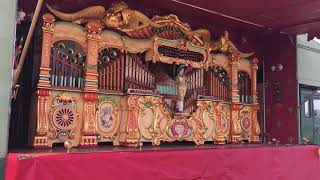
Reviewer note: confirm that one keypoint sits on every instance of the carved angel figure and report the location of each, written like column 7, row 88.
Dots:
column 118, row 16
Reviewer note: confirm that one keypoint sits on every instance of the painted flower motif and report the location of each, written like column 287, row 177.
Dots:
column 106, row 117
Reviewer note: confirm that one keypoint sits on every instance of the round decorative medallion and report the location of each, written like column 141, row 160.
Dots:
column 180, row 129
column 64, row 118
column 245, row 122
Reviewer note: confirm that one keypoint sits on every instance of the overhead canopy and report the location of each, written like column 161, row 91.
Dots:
column 288, row 16
column 285, row 16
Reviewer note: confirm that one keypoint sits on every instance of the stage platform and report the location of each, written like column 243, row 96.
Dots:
column 166, row 162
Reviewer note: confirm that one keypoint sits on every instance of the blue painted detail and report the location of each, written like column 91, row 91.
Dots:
column 44, row 78
column 63, row 133
column 80, row 82
column 166, row 89
column 91, row 82
column 235, row 97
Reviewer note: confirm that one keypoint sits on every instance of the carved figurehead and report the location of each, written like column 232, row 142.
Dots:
column 118, row 16
column 225, row 45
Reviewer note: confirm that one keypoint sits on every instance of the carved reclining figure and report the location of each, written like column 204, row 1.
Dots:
column 119, row 16
column 225, row 45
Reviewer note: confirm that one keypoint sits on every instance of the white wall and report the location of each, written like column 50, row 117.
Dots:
column 308, row 61
column 7, row 33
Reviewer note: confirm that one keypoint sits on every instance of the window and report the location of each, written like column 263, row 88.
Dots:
column 307, row 112
column 316, row 107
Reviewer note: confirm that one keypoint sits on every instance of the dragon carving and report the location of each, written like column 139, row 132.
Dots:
column 121, row 17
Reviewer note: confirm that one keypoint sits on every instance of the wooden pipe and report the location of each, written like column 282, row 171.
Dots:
column 17, row 72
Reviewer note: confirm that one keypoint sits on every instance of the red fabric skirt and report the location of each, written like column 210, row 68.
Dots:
column 262, row 163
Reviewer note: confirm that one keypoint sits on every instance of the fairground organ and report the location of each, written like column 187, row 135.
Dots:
column 158, row 80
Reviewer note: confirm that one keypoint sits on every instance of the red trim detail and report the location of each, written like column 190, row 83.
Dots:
column 91, row 97
column 43, row 92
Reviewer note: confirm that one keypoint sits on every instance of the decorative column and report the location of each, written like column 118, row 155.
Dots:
column 255, row 131
column 219, row 137
column 47, row 31
column 42, row 119
column 235, row 128
column 89, row 137
column 91, row 83
column 91, row 73
column 44, row 81
column 129, row 132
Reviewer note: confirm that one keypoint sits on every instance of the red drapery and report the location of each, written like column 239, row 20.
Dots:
column 265, row 163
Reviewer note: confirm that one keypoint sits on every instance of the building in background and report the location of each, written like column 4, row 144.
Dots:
column 308, row 76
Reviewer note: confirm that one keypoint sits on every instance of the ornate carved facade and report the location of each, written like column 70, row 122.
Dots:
column 160, row 82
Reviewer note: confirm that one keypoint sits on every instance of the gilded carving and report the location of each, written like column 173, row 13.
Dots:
column 42, row 127
column 245, row 119
column 204, row 118
column 63, row 118
column 89, row 126
column 255, row 127
column 162, row 127
column 118, row 16
column 89, row 115
column 48, row 22
column 236, row 130
column 48, row 32
column 225, row 45
column 131, row 126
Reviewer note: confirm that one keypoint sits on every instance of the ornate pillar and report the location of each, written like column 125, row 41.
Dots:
column 235, row 128
column 47, row 31
column 255, row 131
column 234, row 57
column 219, row 136
column 91, row 72
column 44, row 83
column 91, row 83
column 89, row 127
column 129, row 132
column 42, row 118
column 254, row 68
